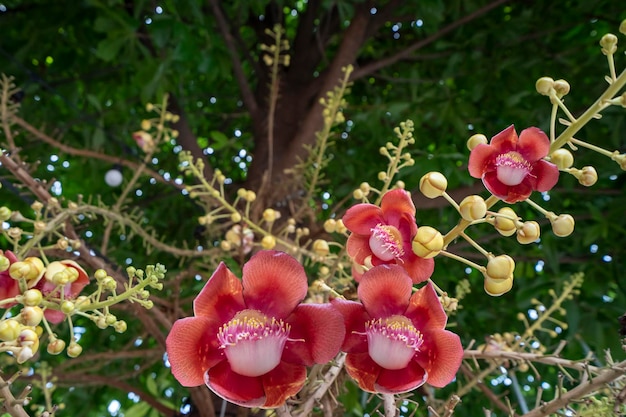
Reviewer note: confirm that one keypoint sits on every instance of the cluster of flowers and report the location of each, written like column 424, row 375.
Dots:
column 250, row 340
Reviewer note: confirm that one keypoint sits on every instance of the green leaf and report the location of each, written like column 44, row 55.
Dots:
column 109, row 48
column 138, row 410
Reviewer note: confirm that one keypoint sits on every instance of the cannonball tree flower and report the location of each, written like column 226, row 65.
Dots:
column 250, row 341
column 383, row 235
column 62, row 279
column 512, row 167
column 9, row 287
column 395, row 340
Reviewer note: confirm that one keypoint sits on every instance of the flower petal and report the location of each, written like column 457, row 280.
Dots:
column 547, row 175
column 533, row 144
column 192, row 348
column 9, row 288
column 317, row 332
column 274, row 283
column 505, row 141
column 54, row 316
column 480, row 158
column 238, row 389
column 425, row 309
column 354, row 318
column 282, row 382
column 419, row 269
column 77, row 286
column 363, row 370
column 440, row 355
column 221, row 296
column 397, row 208
column 401, row 380
column 362, row 218
column 385, row 290
column 358, row 247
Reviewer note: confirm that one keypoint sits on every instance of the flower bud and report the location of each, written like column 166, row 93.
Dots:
column 120, row 326
column 67, row 307
column 270, row 215
column 622, row 27
column 320, row 247
column 268, row 242
column 562, row 225
column 31, row 315
column 9, row 330
column 500, row 267
column 330, row 225
column 544, row 85
column 110, row 319
column 609, row 44
column 428, row 242
column 109, row 284
column 235, row 217
column 55, row 346
column 32, row 297
column 528, row 233
column 588, row 176
column 5, row 213
column 358, row 194
column 100, row 274
column 74, row 350
column 472, row 208
column 30, row 269
column 433, row 184
column 82, row 302
column 503, row 223
column 562, row 158
column 476, row 140
column 250, row 196
column 497, row 287
column 225, row 245
column 101, row 323
column 340, row 227
column 365, row 187
column 561, row 87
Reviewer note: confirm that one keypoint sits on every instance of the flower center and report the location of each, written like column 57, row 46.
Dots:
column 253, row 343
column 393, row 341
column 386, row 242
column 511, row 168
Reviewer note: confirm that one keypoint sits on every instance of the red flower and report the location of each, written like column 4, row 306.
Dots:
column 251, row 340
column 72, row 280
column 9, row 287
column 395, row 341
column 511, row 167
column 383, row 235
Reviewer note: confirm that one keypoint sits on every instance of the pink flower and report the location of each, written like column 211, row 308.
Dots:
column 383, row 235
column 72, row 280
column 511, row 167
column 250, row 341
column 396, row 341
column 9, row 287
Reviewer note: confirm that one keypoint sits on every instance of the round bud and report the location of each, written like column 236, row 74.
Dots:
column 55, row 346
column 433, row 184
column 225, row 245
column 382, row 176
column 120, row 326
column 31, row 315
column 110, row 319
column 562, row 225
column 497, row 287
column 320, row 247
column 9, row 330
column 500, row 267
column 270, row 215
column 476, row 140
column 562, row 158
column 235, row 217
column 561, row 87
column 544, row 85
column 74, row 350
column 5, row 213
column 358, row 194
column 528, row 233
column 365, row 187
column 5, row 263
column 330, row 226
column 268, row 242
column 109, row 283
column 503, row 221
column 473, row 207
column 67, row 307
column 101, row 323
column 32, row 297
column 428, row 242
column 100, row 274
column 340, row 227
column 588, row 176
column 622, row 27
column 608, row 43
column 250, row 196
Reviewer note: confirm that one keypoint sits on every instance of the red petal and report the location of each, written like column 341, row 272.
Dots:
column 283, row 382
column 238, row 389
column 495, row 187
column 547, row 175
column 54, row 316
column 358, row 248
column 221, row 296
column 385, row 290
column 192, row 348
column 505, row 141
column 480, row 157
column 533, row 144
column 9, row 288
column 419, row 269
column 354, row 318
column 362, row 218
column 274, row 283
column 401, row 380
column 397, row 206
column 317, row 331
column 440, row 355
column 363, row 370
column 425, row 310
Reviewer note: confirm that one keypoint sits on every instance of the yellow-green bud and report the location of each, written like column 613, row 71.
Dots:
column 67, row 307
column 528, row 233
column 74, row 350
column 9, row 330
column 497, row 287
column 622, row 27
column 609, row 44
column 428, row 242
column 365, row 187
column 330, row 225
column 110, row 319
column 31, row 315
column 39, row 226
column 433, row 184
column 270, row 215
column 109, row 284
column 544, row 85
column 235, row 217
column 476, row 140
column 82, row 302
column 358, row 194
column 268, row 242
column 241, row 193
column 320, row 247
column 100, row 274
column 382, row 176
column 503, row 223
column 340, row 227
column 561, row 87
column 55, row 346
column 500, row 267
column 120, row 326
column 562, row 158
column 588, row 176
column 250, row 196
column 5, row 263
column 225, row 245
column 473, row 207
column 29, row 269
column 5, row 213
column 145, row 124
column 562, row 225
column 400, row 184
column 32, row 297
column 101, row 323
